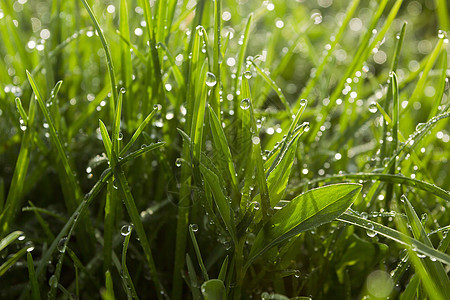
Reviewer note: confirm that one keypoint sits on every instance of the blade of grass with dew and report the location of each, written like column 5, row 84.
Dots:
column 109, row 62
column 309, row 210
column 391, row 178
column 18, row 179
column 125, row 58
column 126, row 274
column 223, row 270
column 434, row 268
column 138, row 132
column 217, row 59
column 396, row 236
column 221, row 143
column 441, row 84
column 220, row 199
column 197, row 252
column 428, row 282
column 243, row 49
column 12, row 260
column 35, row 294
column 10, row 238
column 274, row 86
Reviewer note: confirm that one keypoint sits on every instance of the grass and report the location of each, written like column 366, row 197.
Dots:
column 224, row 149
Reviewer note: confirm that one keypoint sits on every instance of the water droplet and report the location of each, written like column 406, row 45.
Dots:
column 30, row 246
column 364, row 215
column 123, row 90
column 256, row 205
column 156, row 106
column 306, row 127
column 210, row 79
column 442, row 34
column 420, row 126
column 143, row 146
column 62, row 245
column 256, row 140
column 194, row 227
column 120, row 137
column 303, row 102
column 125, row 230
column 373, row 107
column 178, row 162
column 317, row 18
column 370, row 231
column 245, row 103
column 53, row 281
column 248, row 74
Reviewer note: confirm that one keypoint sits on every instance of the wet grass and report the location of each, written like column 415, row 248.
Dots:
column 224, row 149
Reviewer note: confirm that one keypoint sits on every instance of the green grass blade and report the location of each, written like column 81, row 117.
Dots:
column 223, row 270
column 220, row 199
column 35, row 294
column 193, row 278
column 221, row 143
column 109, row 294
column 10, row 238
column 397, row 236
column 213, row 289
column 309, row 210
column 441, row 84
column 444, row 19
column 197, row 251
column 243, row 49
column 434, row 268
column 109, row 62
column 12, row 260
column 126, row 274
column 106, row 139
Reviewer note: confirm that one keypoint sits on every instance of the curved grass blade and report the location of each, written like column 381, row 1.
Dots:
column 214, row 289
column 311, row 209
column 406, row 241
column 126, row 274
column 10, row 238
column 197, row 252
column 12, row 260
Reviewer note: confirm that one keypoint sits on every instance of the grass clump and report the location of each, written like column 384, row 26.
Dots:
column 224, row 149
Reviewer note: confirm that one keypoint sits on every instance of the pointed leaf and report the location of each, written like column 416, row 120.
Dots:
column 213, row 289
column 311, row 209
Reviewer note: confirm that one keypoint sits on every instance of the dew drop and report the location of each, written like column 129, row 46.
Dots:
column 62, row 245
column 256, row 205
column 373, row 107
column 420, row 126
column 364, row 215
column 123, row 90
column 125, row 230
column 194, row 227
column 245, row 103
column 248, row 74
column 143, row 146
column 370, row 231
column 178, row 162
column 156, row 106
column 53, row 281
column 120, row 137
column 307, row 127
column 210, row 79
column 442, row 34
column 303, row 102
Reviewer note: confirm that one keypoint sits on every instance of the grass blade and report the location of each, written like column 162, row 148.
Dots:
column 35, row 294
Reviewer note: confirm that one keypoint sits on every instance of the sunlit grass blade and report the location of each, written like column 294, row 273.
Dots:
column 434, row 268
column 109, row 61
column 441, row 86
column 109, row 293
column 125, row 58
column 243, row 49
column 309, row 210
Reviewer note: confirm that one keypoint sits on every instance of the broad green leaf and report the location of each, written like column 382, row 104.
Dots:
column 213, row 289
column 306, row 211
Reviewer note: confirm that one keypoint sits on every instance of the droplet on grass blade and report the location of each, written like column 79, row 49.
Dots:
column 178, row 162
column 125, row 230
column 194, row 227
column 245, row 103
column 210, row 79
column 248, row 74
column 62, row 245
column 373, row 107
